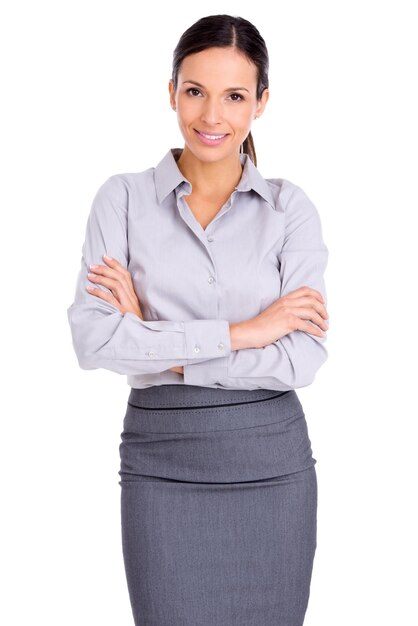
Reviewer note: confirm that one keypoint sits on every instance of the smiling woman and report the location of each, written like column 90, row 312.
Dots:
column 220, row 111
column 215, row 115
column 214, row 306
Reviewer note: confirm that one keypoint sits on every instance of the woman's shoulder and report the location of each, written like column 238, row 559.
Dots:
column 123, row 184
column 289, row 196
column 129, row 178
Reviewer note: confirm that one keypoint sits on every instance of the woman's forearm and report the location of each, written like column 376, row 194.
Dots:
column 239, row 340
column 239, row 335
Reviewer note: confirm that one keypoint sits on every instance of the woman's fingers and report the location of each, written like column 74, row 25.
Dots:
column 306, row 291
column 116, row 271
column 306, row 301
column 124, row 272
column 113, row 276
column 104, row 295
column 307, row 327
column 114, row 284
column 118, row 280
column 305, row 296
column 113, row 264
column 308, row 314
column 118, row 286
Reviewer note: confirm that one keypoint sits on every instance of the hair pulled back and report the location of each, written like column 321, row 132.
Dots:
column 225, row 31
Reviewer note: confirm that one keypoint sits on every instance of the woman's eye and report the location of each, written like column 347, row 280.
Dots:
column 193, row 89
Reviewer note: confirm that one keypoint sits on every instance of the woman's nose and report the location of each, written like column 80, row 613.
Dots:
column 212, row 113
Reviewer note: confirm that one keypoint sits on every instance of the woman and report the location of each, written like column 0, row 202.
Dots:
column 212, row 302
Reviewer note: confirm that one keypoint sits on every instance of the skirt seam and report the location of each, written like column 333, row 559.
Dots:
column 220, row 430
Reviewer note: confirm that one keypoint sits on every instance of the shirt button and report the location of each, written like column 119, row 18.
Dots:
column 221, row 346
column 210, row 238
column 151, row 353
column 196, row 349
column 211, row 279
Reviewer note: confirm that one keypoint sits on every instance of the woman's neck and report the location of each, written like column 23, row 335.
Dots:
column 210, row 179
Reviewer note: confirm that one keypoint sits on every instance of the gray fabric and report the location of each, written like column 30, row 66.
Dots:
column 192, row 282
column 218, row 507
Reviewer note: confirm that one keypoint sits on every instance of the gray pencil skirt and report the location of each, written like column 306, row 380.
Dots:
column 218, row 506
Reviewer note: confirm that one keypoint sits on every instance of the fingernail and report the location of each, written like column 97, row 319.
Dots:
column 109, row 258
column 93, row 267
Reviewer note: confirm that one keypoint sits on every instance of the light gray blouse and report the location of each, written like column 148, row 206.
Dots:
column 191, row 282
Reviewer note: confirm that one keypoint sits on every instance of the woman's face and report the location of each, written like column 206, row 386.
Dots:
column 216, row 95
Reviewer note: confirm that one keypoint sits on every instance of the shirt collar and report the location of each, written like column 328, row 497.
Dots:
column 168, row 177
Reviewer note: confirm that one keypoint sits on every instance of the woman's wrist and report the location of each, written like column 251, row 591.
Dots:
column 239, row 335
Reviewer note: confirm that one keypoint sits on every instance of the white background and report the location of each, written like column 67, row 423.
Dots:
column 85, row 96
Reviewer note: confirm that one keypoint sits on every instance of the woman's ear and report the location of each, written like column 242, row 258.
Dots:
column 172, row 94
column 262, row 103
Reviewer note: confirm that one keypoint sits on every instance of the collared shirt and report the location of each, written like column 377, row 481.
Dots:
column 192, row 282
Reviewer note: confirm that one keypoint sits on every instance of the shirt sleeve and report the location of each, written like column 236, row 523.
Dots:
column 102, row 336
column 292, row 361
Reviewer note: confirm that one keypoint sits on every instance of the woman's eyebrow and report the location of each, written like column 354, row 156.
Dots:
column 194, row 82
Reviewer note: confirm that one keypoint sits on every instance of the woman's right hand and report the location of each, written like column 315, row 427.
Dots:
column 294, row 311
column 118, row 280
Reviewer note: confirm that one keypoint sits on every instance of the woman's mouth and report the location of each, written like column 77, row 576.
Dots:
column 211, row 139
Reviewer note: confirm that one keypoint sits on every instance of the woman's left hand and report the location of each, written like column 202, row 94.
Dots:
column 119, row 280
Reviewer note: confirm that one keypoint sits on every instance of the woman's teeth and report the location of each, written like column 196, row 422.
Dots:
column 212, row 136
column 211, row 140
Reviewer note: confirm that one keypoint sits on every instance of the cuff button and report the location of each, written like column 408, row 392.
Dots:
column 221, row 346
column 196, row 349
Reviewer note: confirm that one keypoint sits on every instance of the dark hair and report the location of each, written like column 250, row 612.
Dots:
column 225, row 31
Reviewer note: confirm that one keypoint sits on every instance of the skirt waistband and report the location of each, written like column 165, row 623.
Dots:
column 183, row 396
column 248, row 435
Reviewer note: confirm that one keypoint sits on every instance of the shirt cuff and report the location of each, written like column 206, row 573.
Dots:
column 207, row 339
column 206, row 373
